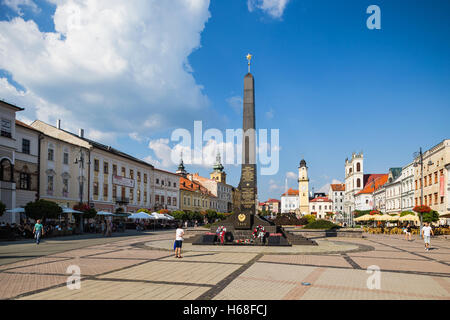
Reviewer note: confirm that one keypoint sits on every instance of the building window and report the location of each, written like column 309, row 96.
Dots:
column 6, row 128
column 131, row 194
column 436, row 198
column 145, row 178
column 114, row 195
column 96, row 165
column 105, row 167
column 105, row 190
column 358, row 183
column 95, row 188
column 115, row 169
column 157, row 198
column 24, row 181
column 123, row 172
column 131, row 174
column 174, row 185
column 436, row 177
column 139, row 177
column 168, row 183
column 162, row 182
column 162, row 199
column 169, row 199
column 157, row 181
column 65, row 189
column 138, row 195
column 145, row 196
column 50, row 154
column 50, row 185
column 65, row 158
column 26, row 146
column 174, row 201
column 358, row 167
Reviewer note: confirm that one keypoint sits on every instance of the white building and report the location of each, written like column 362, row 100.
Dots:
column 320, row 206
column 354, row 183
column 290, row 201
column 166, row 190
column 8, row 146
column 336, row 194
column 26, row 171
column 394, row 191
column 407, row 179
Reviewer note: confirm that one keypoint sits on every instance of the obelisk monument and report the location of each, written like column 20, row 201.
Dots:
column 248, row 183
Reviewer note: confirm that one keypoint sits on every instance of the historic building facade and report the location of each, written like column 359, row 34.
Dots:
column 407, row 179
column 195, row 197
column 320, row 206
column 61, row 176
column 8, row 138
column 394, row 191
column 290, row 201
column 436, row 182
column 166, row 190
column 26, row 171
column 303, row 188
column 336, row 194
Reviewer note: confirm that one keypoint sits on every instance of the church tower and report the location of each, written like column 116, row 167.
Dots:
column 303, row 187
column 218, row 174
column 181, row 170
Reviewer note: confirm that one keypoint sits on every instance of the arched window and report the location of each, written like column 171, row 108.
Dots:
column 358, row 167
column 6, row 170
column 358, row 183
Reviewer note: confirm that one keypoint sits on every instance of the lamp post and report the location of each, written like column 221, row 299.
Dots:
column 80, row 162
column 416, row 164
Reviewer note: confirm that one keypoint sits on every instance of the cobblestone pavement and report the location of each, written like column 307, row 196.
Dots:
column 144, row 267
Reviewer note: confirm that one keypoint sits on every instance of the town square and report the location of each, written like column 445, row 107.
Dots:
column 140, row 161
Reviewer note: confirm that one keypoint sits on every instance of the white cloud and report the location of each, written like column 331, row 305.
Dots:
column 273, row 8
column 17, row 4
column 112, row 66
column 291, row 175
column 236, row 103
column 270, row 114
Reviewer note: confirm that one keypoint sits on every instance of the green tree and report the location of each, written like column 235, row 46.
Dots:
column 2, row 208
column 144, row 210
column 431, row 216
column 211, row 215
column 42, row 209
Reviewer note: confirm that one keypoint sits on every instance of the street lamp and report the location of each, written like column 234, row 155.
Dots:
column 416, row 164
column 80, row 162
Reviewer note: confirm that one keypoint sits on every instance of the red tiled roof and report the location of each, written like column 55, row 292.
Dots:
column 273, row 200
column 291, row 192
column 321, row 199
column 338, row 187
column 380, row 180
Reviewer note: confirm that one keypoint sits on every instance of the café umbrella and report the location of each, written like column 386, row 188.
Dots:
column 16, row 210
column 409, row 217
column 141, row 215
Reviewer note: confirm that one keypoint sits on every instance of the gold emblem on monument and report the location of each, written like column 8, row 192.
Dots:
column 241, row 217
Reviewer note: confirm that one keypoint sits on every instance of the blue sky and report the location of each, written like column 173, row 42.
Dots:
column 327, row 82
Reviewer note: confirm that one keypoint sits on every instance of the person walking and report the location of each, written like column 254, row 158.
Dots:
column 103, row 227
column 178, row 241
column 408, row 232
column 38, row 231
column 426, row 235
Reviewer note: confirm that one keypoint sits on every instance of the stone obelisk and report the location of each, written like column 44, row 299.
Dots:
column 248, row 183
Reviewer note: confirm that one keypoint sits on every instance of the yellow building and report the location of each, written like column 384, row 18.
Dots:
column 195, row 197
column 436, row 178
column 303, row 187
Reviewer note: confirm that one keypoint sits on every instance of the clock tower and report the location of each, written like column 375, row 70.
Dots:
column 303, row 187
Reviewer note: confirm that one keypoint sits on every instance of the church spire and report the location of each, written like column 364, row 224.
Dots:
column 181, row 170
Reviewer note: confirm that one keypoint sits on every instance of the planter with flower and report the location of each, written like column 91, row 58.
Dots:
column 259, row 232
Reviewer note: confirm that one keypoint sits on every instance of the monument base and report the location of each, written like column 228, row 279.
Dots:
column 273, row 235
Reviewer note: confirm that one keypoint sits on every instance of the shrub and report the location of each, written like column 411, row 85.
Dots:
column 42, row 209
column 289, row 219
column 405, row 213
column 142, row 210
column 164, row 211
column 2, row 208
column 310, row 218
column 321, row 224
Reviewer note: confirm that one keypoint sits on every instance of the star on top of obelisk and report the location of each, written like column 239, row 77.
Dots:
column 249, row 58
